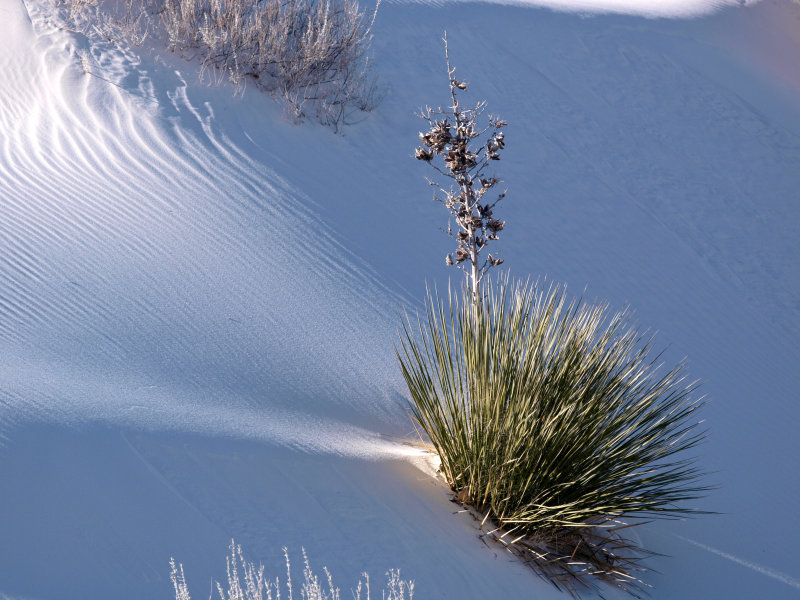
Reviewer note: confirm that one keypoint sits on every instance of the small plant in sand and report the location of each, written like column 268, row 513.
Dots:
column 248, row 582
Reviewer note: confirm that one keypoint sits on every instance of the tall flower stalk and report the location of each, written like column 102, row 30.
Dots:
column 461, row 150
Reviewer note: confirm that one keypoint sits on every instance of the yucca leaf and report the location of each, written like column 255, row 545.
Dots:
column 552, row 417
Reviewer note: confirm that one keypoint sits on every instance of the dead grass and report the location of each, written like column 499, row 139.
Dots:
column 311, row 55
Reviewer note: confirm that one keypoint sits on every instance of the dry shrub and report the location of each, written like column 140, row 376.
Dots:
column 246, row 581
column 313, row 55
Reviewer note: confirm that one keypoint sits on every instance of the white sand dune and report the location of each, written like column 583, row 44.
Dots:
column 645, row 8
column 119, row 253
column 199, row 300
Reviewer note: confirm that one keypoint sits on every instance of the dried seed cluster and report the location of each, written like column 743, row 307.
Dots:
column 461, row 150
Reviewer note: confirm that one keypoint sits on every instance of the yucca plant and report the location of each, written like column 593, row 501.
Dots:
column 553, row 422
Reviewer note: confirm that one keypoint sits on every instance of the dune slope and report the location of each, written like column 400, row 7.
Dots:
column 199, row 299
